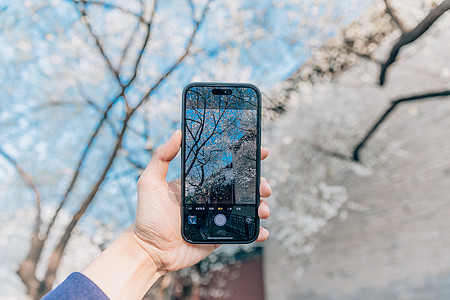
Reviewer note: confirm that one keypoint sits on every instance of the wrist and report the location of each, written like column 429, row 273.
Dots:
column 147, row 249
column 124, row 269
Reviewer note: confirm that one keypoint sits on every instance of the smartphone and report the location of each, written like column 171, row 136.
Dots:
column 221, row 158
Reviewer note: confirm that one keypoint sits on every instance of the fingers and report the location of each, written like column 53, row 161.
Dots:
column 163, row 155
column 264, row 188
column 263, row 209
column 263, row 235
column 264, row 153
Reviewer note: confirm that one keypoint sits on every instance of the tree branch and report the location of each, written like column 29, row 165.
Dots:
column 391, row 12
column 136, row 164
column 88, row 25
column 412, row 35
column 144, row 44
column 108, row 5
column 127, row 46
column 105, row 113
column 57, row 253
column 27, row 267
column 79, row 166
column 111, row 125
column 330, row 153
column 180, row 59
column 29, row 181
column 46, row 284
column 391, row 108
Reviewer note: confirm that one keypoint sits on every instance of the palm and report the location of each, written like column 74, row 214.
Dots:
column 158, row 226
column 158, row 218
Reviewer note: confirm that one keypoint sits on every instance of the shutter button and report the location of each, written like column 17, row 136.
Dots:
column 220, row 220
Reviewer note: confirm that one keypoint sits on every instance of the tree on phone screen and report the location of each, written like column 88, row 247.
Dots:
column 220, row 151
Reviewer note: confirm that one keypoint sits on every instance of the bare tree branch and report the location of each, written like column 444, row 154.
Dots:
column 27, row 179
column 27, row 267
column 412, row 35
column 391, row 108
column 111, row 125
column 180, row 59
column 136, row 164
column 84, row 18
column 331, row 153
column 391, row 12
column 106, row 112
column 94, row 105
column 109, row 5
column 144, row 44
column 128, row 172
column 39, row 287
column 126, row 199
column 37, row 245
column 192, row 7
column 79, row 166
column 127, row 46
column 57, row 253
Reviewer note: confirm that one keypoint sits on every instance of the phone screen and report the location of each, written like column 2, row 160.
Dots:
column 221, row 163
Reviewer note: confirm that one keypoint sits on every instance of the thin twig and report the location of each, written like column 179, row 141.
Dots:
column 331, row 153
column 127, row 46
column 97, row 108
column 99, row 44
column 144, row 45
column 388, row 111
column 79, row 166
column 412, row 35
column 136, row 164
column 57, row 253
column 27, row 267
column 391, row 12
column 180, row 59
column 192, row 7
column 30, row 182
column 109, row 5
column 125, row 197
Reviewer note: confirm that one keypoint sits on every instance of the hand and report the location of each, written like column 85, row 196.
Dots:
column 153, row 245
column 158, row 220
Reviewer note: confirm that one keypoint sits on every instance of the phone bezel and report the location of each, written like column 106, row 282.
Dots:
column 258, row 159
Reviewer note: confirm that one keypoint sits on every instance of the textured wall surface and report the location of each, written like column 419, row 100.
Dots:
column 397, row 244
column 391, row 239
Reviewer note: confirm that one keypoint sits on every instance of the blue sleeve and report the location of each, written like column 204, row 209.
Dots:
column 76, row 286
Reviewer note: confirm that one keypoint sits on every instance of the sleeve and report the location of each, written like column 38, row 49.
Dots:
column 76, row 286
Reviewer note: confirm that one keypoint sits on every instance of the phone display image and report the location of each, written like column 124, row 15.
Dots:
column 221, row 163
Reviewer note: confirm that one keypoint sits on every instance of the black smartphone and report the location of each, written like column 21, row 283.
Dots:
column 221, row 158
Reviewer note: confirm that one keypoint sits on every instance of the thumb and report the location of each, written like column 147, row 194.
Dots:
column 163, row 155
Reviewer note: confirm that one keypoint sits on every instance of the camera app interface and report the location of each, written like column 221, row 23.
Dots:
column 220, row 163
